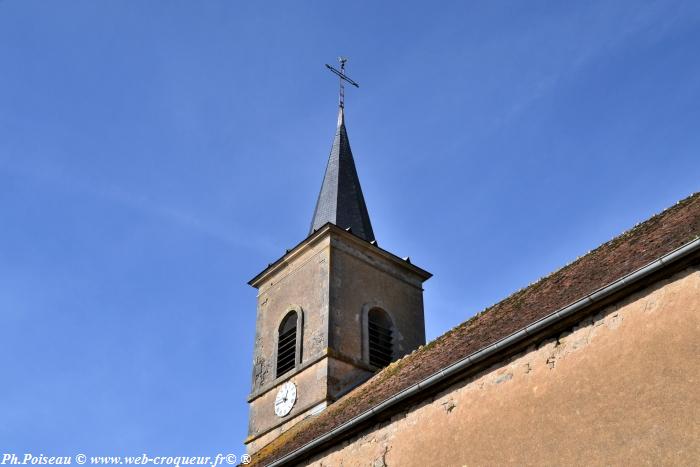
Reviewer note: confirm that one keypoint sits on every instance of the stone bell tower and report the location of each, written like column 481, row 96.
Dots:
column 332, row 311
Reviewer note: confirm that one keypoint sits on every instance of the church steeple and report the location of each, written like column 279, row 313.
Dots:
column 340, row 201
column 333, row 310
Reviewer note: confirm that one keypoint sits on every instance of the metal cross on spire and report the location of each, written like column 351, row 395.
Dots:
column 342, row 77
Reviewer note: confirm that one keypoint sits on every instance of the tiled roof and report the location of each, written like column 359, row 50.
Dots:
column 340, row 201
column 624, row 254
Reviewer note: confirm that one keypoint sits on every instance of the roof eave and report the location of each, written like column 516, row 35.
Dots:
column 689, row 250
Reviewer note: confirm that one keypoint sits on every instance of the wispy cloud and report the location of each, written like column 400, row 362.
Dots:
column 611, row 28
column 607, row 28
column 60, row 179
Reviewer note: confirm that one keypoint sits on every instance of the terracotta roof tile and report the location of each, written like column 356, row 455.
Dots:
column 624, row 254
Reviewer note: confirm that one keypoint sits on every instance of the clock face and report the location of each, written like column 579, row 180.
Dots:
column 286, row 397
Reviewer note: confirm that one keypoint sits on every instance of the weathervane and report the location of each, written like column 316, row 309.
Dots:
column 342, row 77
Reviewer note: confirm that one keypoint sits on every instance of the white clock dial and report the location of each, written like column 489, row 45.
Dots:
column 286, row 397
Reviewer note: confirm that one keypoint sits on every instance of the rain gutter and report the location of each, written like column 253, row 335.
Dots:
column 492, row 349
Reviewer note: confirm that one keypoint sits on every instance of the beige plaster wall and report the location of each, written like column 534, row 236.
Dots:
column 359, row 281
column 343, row 377
column 620, row 389
column 329, row 280
column 311, row 383
column 300, row 284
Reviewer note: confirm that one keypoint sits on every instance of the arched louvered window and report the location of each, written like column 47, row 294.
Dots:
column 287, row 344
column 380, row 338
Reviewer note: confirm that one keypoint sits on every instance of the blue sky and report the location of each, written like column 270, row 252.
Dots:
column 154, row 156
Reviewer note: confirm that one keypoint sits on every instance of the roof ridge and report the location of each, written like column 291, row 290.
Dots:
column 570, row 264
column 682, row 230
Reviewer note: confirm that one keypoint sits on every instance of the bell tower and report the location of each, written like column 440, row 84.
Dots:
column 333, row 310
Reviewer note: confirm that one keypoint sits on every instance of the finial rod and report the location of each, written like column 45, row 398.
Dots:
column 342, row 78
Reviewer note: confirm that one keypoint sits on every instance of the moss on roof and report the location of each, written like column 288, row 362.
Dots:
column 614, row 259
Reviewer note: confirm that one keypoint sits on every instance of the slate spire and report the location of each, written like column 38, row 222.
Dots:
column 340, row 201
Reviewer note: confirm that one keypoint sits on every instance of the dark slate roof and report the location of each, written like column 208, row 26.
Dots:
column 340, row 201
column 611, row 261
